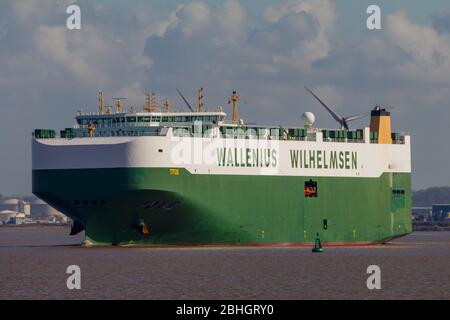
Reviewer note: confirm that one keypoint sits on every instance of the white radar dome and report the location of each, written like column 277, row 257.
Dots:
column 308, row 118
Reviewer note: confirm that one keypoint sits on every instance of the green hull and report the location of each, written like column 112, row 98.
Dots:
column 188, row 209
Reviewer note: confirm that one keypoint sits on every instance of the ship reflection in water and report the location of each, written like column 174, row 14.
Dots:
column 34, row 260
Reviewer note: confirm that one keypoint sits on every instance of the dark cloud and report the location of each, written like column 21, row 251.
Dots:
column 441, row 22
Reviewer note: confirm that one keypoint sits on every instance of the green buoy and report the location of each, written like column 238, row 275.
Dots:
column 317, row 245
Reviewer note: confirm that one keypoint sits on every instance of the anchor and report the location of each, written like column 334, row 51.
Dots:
column 317, row 244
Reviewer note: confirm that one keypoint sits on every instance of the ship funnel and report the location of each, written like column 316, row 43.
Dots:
column 380, row 122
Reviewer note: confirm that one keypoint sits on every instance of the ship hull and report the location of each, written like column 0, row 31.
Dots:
column 181, row 208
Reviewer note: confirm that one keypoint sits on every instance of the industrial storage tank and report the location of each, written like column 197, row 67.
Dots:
column 40, row 209
column 10, row 204
column 26, row 208
column 5, row 215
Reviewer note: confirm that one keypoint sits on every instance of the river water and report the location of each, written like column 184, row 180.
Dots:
column 33, row 263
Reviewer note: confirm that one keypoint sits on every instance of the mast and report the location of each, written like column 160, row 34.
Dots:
column 119, row 104
column 150, row 102
column 167, row 105
column 101, row 102
column 234, row 98
column 200, row 100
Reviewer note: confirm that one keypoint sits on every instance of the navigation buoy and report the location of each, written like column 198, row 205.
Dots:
column 317, row 244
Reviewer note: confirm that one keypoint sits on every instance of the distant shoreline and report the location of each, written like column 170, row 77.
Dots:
column 431, row 226
column 34, row 225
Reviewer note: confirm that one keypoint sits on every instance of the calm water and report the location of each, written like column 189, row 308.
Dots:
column 33, row 263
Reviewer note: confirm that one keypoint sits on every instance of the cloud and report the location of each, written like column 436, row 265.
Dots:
column 299, row 15
column 231, row 46
column 231, row 23
column 403, row 55
column 428, row 50
column 441, row 22
column 194, row 18
column 54, row 44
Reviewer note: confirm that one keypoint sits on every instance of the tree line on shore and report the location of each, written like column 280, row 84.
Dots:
column 429, row 196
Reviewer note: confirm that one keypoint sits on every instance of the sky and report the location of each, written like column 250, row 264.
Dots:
column 266, row 50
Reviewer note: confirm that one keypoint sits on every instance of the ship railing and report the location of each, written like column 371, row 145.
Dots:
column 134, row 124
column 106, row 134
column 397, row 138
column 343, row 140
column 114, row 125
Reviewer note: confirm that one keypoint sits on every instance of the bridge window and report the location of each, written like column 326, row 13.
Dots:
column 119, row 119
column 144, row 119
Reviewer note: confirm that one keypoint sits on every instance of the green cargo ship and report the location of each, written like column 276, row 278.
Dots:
column 162, row 177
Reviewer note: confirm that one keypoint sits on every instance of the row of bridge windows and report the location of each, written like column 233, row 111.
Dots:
column 134, row 119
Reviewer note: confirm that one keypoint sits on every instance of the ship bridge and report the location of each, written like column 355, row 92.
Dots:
column 149, row 119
